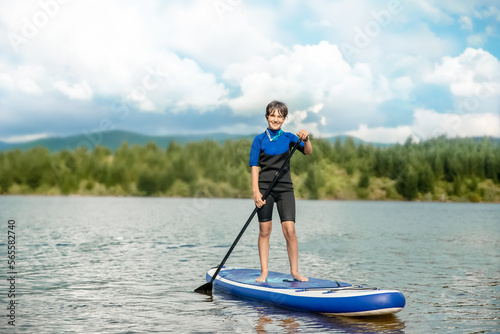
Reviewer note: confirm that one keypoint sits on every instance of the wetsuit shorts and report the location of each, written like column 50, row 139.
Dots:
column 285, row 202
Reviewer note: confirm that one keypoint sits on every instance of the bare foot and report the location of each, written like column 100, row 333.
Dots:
column 262, row 277
column 300, row 278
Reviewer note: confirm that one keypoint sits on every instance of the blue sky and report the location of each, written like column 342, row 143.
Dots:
column 378, row 70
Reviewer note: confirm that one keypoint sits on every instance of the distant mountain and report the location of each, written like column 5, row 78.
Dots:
column 5, row 146
column 357, row 141
column 114, row 139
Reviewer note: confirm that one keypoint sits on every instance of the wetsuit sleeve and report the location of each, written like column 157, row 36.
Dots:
column 293, row 140
column 254, row 152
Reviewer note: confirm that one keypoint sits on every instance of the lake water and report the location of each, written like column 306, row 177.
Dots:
column 130, row 265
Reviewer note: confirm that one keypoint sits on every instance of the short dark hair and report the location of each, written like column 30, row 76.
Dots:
column 278, row 106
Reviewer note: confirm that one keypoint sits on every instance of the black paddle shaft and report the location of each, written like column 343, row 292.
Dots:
column 277, row 175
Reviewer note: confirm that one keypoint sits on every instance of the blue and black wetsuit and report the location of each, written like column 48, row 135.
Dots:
column 269, row 151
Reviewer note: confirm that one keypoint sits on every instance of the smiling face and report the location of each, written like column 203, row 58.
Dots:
column 275, row 120
column 276, row 113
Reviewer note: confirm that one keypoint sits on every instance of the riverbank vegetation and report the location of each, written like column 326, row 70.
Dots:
column 440, row 169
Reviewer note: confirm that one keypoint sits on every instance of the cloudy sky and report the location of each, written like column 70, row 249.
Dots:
column 378, row 70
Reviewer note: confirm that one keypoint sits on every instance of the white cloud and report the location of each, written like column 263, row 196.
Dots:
column 465, row 23
column 29, row 86
column 77, row 91
column 301, row 77
column 296, row 120
column 468, row 74
column 182, row 85
column 403, row 86
column 196, row 29
column 480, row 39
column 23, row 138
column 429, row 124
column 179, row 56
column 434, row 13
column 21, row 78
column 346, row 17
column 308, row 75
column 377, row 32
column 382, row 134
column 317, row 24
column 491, row 11
column 118, row 53
column 476, row 40
column 6, row 81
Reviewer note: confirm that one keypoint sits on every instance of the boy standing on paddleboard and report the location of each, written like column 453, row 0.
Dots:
column 269, row 151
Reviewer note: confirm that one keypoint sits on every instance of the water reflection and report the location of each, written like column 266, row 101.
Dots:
column 264, row 322
column 134, row 274
column 267, row 318
column 388, row 322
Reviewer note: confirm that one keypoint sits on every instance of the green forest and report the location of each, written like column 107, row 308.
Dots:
column 441, row 169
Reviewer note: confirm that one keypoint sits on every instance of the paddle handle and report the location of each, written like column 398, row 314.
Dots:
column 268, row 191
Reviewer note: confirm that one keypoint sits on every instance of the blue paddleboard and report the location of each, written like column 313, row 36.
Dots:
column 315, row 295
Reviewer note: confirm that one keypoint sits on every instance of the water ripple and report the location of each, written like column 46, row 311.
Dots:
column 123, row 265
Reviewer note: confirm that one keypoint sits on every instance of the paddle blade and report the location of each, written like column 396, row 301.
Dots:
column 205, row 288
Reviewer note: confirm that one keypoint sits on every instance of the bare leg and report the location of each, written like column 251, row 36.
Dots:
column 292, row 247
column 265, row 229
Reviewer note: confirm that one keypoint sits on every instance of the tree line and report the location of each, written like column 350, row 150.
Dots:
column 459, row 169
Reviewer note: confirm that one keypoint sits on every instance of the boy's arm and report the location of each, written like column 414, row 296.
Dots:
column 257, row 196
column 308, row 149
column 304, row 135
